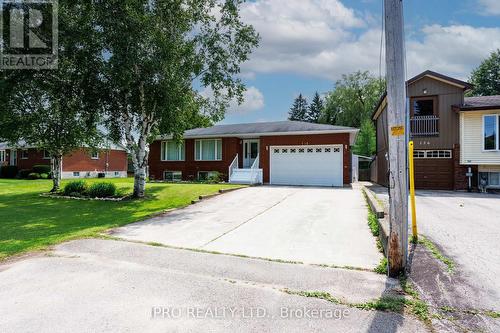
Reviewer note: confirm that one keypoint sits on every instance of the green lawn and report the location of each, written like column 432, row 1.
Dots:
column 30, row 222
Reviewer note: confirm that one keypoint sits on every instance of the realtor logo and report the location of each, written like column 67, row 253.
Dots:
column 28, row 34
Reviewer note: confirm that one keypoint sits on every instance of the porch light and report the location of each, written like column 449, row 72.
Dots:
column 425, row 91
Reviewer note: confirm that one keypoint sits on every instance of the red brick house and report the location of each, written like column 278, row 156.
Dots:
column 82, row 163
column 284, row 152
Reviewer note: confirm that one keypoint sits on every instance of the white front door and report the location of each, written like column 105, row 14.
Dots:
column 320, row 165
column 250, row 152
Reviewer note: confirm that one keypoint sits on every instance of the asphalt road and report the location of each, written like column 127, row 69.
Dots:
column 306, row 224
column 113, row 286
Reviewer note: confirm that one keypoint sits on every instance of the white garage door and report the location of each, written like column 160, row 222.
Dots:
column 307, row 165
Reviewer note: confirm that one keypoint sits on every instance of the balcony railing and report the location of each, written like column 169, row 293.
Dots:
column 424, row 125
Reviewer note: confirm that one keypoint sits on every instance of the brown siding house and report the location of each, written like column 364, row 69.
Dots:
column 285, row 153
column 435, row 101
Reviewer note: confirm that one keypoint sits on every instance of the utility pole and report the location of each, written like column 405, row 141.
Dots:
column 396, row 119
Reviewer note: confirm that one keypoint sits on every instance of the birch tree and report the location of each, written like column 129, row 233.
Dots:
column 162, row 56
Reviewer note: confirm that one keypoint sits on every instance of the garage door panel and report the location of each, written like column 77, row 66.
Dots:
column 436, row 174
column 307, row 165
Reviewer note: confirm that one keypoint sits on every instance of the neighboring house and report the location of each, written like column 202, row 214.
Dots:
column 442, row 133
column 480, row 138
column 285, row 153
column 83, row 163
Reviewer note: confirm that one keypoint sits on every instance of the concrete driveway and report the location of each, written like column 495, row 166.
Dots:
column 306, row 224
column 467, row 227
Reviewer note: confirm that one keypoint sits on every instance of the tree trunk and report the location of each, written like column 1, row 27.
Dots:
column 139, row 182
column 56, row 173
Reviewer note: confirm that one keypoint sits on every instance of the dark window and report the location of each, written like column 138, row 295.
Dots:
column 24, row 154
column 423, row 107
column 490, row 132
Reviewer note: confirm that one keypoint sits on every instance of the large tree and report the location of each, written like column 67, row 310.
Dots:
column 56, row 109
column 486, row 77
column 299, row 109
column 160, row 55
column 353, row 99
column 315, row 108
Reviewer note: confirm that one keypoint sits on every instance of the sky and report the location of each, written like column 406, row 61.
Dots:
column 306, row 46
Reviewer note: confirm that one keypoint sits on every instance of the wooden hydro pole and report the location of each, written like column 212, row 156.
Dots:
column 396, row 119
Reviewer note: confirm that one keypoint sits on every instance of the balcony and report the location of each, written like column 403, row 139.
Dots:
column 424, row 126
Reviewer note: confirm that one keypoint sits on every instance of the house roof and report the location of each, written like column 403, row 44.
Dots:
column 433, row 75
column 265, row 128
column 480, row 103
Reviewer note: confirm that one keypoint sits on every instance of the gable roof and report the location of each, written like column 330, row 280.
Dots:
column 430, row 74
column 480, row 103
column 250, row 130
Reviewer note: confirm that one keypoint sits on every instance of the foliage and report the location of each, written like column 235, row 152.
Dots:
column 44, row 176
column 353, row 100
column 102, row 190
column 217, row 177
column 486, row 77
column 299, row 109
column 34, row 176
column 175, row 68
column 23, row 173
column 437, row 253
column 41, row 168
column 36, row 222
column 366, row 140
column 373, row 223
column 8, row 171
column 314, row 111
column 55, row 109
column 75, row 186
column 382, row 266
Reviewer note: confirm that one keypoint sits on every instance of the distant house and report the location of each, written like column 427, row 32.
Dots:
column 82, row 163
column 284, row 152
column 449, row 132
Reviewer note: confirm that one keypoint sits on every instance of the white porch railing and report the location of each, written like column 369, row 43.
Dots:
column 424, row 125
column 233, row 166
column 256, row 174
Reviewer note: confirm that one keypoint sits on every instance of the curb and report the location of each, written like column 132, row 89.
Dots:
column 382, row 218
column 208, row 196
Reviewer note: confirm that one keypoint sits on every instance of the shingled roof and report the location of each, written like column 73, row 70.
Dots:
column 480, row 103
column 266, row 128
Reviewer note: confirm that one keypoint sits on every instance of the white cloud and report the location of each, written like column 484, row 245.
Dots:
column 489, row 7
column 453, row 50
column 325, row 39
column 254, row 101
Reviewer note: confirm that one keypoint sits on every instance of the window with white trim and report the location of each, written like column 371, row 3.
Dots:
column 46, row 155
column 491, row 129
column 432, row 154
column 24, row 154
column 94, row 155
column 172, row 150
column 491, row 179
column 2, row 156
column 205, row 175
column 172, row 176
column 117, row 173
column 208, row 150
column 76, row 174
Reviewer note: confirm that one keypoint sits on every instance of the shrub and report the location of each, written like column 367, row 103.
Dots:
column 44, row 176
column 34, row 175
column 75, row 186
column 8, row 171
column 102, row 190
column 23, row 173
column 41, row 168
column 217, row 177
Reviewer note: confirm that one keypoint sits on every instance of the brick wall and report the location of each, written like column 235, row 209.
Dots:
column 190, row 167
column 461, row 180
column 109, row 160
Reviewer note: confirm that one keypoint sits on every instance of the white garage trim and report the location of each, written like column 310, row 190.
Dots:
column 329, row 176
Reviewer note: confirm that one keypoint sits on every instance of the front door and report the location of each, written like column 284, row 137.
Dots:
column 250, row 152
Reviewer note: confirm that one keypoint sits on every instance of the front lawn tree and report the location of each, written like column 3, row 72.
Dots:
column 315, row 108
column 169, row 62
column 56, row 109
